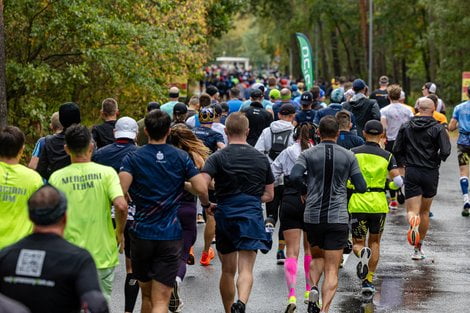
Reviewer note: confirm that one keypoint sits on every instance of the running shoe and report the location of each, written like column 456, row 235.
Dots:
column 367, row 287
column 280, row 257
column 306, row 296
column 314, row 297
column 291, row 305
column 418, row 254
column 362, row 268
column 393, row 205
column 238, row 307
column 191, row 259
column 176, row 304
column 400, row 196
column 207, row 257
column 466, row 209
column 348, row 249
column 413, row 232
column 200, row 219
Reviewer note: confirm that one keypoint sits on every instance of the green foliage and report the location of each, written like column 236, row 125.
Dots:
column 87, row 50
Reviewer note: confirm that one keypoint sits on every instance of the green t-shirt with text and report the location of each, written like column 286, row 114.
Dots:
column 17, row 184
column 90, row 189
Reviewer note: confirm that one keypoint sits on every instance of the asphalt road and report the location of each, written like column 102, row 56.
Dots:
column 439, row 283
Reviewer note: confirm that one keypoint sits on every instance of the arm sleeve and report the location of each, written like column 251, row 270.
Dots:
column 444, row 145
column 38, row 148
column 210, row 167
column 455, row 114
column 375, row 111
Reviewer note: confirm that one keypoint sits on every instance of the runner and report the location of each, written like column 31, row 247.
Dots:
column 461, row 121
column 439, row 117
column 257, row 116
column 368, row 210
column 392, row 117
column 326, row 218
column 421, row 145
column 53, row 156
column 17, row 184
column 44, row 271
column 183, row 138
column 180, row 113
column 363, row 109
column 56, row 128
column 213, row 92
column 193, row 106
column 292, row 213
column 103, row 133
column 204, row 102
column 155, row 176
column 125, row 132
column 430, row 89
column 381, row 95
column 335, row 106
column 346, row 138
column 272, row 141
column 306, row 114
column 234, row 103
column 243, row 180
column 217, row 125
column 173, row 95
column 141, row 137
column 90, row 189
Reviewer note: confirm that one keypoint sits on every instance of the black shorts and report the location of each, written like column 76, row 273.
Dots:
column 463, row 155
column 327, row 236
column 421, row 181
column 362, row 223
column 292, row 212
column 155, row 259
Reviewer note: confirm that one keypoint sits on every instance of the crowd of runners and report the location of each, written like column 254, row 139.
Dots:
column 328, row 174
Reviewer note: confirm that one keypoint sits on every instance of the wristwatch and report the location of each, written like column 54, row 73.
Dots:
column 205, row 206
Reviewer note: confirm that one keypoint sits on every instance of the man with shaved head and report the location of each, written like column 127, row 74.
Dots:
column 173, row 94
column 421, row 144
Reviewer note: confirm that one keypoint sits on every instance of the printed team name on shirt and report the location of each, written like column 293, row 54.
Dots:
column 30, row 263
column 9, row 193
column 81, row 182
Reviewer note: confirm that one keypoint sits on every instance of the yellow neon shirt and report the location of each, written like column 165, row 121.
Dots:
column 90, row 189
column 17, row 184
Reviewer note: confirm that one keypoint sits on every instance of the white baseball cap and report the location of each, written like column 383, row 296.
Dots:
column 125, row 127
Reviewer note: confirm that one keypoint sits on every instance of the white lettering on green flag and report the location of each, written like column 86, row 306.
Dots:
column 306, row 59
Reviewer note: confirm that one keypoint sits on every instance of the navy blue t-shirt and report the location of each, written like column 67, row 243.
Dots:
column 209, row 137
column 348, row 140
column 305, row 116
column 113, row 154
column 159, row 173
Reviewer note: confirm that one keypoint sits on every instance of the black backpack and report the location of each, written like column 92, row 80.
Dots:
column 279, row 141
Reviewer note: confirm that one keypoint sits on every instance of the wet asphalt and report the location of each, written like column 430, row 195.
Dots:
column 441, row 283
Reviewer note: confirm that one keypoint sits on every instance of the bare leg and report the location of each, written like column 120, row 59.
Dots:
column 227, row 279
column 413, row 206
column 374, row 245
column 246, row 262
column 358, row 244
column 209, row 232
column 424, row 216
column 146, row 289
column 292, row 237
column 317, row 265
column 332, row 260
column 160, row 297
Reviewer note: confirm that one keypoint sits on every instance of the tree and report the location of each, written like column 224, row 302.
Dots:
column 3, row 95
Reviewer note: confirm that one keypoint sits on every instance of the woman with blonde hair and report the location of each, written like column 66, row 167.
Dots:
column 183, row 138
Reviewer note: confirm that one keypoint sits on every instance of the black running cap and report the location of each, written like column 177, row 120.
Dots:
column 47, row 205
column 373, row 127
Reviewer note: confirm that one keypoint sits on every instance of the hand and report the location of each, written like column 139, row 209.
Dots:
column 211, row 209
column 120, row 241
column 303, row 198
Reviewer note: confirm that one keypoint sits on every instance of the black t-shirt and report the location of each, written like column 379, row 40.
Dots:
column 381, row 96
column 52, row 156
column 103, row 134
column 237, row 169
column 47, row 274
column 258, row 119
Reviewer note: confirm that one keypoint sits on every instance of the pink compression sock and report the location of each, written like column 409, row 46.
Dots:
column 290, row 271
column 307, row 260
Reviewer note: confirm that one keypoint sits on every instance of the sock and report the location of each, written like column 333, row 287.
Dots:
column 370, row 276
column 178, row 280
column 307, row 260
column 131, row 290
column 464, row 187
column 290, row 271
column 419, row 245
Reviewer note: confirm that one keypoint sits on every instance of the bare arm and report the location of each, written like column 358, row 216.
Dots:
column 268, row 193
column 120, row 216
column 453, row 124
column 220, row 145
column 199, row 185
column 33, row 163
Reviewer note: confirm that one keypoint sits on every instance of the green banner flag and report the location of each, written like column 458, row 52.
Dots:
column 306, row 59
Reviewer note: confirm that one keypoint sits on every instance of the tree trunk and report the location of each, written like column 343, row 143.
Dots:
column 334, row 53
column 3, row 93
column 405, row 81
column 323, row 55
column 364, row 31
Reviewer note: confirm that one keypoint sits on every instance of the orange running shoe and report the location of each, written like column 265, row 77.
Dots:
column 191, row 257
column 207, row 257
column 413, row 232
